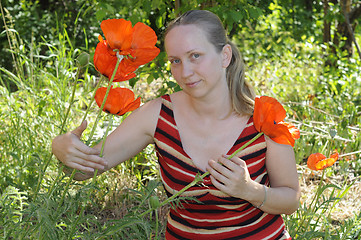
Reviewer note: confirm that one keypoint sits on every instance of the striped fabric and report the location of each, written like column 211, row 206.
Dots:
column 216, row 215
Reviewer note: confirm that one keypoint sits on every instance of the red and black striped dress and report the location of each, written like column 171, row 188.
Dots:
column 216, row 215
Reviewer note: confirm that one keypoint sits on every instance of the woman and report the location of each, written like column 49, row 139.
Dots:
column 194, row 130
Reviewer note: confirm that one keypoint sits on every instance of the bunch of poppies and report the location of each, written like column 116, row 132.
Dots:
column 125, row 48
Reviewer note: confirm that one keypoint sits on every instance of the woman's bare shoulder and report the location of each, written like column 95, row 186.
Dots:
column 151, row 107
column 146, row 116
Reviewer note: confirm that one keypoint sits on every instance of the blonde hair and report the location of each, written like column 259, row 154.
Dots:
column 242, row 93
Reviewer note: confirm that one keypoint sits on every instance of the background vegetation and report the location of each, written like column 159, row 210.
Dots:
column 304, row 53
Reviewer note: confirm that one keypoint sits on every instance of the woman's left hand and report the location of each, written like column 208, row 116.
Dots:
column 231, row 176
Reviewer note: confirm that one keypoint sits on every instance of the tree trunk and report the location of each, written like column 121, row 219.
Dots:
column 326, row 23
column 345, row 29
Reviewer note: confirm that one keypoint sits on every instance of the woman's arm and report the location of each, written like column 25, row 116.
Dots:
column 128, row 139
column 284, row 193
column 282, row 197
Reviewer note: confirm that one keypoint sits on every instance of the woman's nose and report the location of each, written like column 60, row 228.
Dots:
column 187, row 70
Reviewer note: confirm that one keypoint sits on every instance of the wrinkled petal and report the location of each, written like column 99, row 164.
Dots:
column 143, row 36
column 118, row 33
column 111, row 104
column 279, row 133
column 119, row 100
column 130, row 107
column 313, row 159
column 142, row 56
column 325, row 163
column 295, row 132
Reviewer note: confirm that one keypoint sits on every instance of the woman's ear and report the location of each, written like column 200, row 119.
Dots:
column 226, row 55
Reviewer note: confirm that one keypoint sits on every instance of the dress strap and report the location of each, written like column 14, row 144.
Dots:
column 167, row 102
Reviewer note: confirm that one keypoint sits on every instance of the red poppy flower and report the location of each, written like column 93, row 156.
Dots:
column 136, row 44
column 268, row 118
column 105, row 61
column 119, row 100
column 318, row 161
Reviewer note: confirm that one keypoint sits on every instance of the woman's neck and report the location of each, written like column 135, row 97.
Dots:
column 218, row 106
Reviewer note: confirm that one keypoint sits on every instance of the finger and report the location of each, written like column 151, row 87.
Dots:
column 79, row 130
column 220, row 186
column 229, row 164
column 79, row 145
column 80, row 167
column 217, row 171
column 236, row 160
column 88, row 154
column 86, row 164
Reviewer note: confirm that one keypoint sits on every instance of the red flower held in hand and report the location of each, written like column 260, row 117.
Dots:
column 119, row 100
column 318, row 161
column 136, row 44
column 268, row 118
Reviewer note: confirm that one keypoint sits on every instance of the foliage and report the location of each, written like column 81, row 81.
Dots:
column 282, row 47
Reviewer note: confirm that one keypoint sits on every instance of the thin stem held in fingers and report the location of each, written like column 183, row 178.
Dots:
column 110, row 124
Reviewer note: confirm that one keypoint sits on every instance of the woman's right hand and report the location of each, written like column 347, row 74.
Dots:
column 71, row 151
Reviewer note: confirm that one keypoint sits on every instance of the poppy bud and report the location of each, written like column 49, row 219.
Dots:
column 83, row 59
column 154, row 202
column 333, row 132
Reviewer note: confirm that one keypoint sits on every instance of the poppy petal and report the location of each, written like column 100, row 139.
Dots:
column 295, row 132
column 119, row 100
column 130, row 107
column 118, row 33
column 313, row 159
column 334, row 155
column 325, row 163
column 267, row 109
column 105, row 62
column 142, row 56
column 278, row 133
column 111, row 104
column 143, row 36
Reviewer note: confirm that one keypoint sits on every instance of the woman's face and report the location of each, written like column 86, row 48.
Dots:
column 195, row 64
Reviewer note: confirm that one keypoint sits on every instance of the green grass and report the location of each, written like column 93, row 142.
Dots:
column 39, row 202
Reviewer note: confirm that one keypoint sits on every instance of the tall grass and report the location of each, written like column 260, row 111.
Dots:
column 37, row 203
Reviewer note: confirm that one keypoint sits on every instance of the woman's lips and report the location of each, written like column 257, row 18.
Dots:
column 192, row 84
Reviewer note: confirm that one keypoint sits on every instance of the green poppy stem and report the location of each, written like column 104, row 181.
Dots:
column 199, row 178
column 66, row 188
column 246, row 145
column 120, row 58
column 110, row 124
column 92, row 98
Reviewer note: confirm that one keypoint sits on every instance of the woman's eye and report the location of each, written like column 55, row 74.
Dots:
column 174, row 61
column 196, row 55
